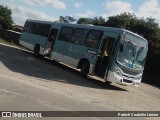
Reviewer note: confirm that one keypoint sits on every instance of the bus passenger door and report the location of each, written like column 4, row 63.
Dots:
column 103, row 58
column 51, row 40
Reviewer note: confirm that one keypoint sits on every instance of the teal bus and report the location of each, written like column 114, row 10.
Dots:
column 115, row 54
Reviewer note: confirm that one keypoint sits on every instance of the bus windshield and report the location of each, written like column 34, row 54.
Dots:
column 132, row 54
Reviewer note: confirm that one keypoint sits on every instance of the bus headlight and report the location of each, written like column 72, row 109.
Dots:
column 117, row 71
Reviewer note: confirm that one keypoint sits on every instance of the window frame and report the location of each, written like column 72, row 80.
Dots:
column 39, row 29
column 59, row 36
column 98, row 40
column 79, row 36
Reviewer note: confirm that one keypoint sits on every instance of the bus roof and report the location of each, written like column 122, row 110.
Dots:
column 89, row 26
column 142, row 38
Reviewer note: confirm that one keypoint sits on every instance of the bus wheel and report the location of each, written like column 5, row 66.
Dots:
column 36, row 50
column 84, row 69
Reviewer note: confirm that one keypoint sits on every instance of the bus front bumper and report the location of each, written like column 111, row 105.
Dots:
column 113, row 77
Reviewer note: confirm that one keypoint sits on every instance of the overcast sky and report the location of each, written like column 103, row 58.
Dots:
column 52, row 9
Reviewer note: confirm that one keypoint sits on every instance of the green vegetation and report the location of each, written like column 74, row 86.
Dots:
column 66, row 19
column 5, row 18
column 5, row 41
column 95, row 21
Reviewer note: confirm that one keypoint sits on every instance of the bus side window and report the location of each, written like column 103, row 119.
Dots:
column 29, row 27
column 65, row 34
column 44, row 29
column 25, row 27
column 37, row 28
column 79, row 36
column 94, row 38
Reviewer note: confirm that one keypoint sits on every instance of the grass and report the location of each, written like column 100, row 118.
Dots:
column 3, row 41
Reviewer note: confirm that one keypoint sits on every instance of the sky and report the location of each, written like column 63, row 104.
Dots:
column 50, row 10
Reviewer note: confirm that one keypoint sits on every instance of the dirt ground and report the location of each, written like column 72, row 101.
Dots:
column 23, row 66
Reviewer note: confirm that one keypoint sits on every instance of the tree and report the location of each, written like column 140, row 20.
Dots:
column 66, row 19
column 85, row 21
column 125, row 20
column 5, row 18
column 95, row 21
column 99, row 21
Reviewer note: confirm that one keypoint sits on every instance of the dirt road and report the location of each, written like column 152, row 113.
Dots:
column 43, row 73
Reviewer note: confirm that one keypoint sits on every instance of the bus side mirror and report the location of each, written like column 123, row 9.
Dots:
column 121, row 48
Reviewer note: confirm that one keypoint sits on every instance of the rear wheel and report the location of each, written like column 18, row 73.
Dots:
column 84, row 69
column 36, row 51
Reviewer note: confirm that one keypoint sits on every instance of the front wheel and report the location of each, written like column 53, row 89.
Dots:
column 84, row 69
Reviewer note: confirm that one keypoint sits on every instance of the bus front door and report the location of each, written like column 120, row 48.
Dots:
column 103, row 58
column 51, row 40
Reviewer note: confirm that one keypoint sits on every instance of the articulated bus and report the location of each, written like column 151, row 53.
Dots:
column 115, row 54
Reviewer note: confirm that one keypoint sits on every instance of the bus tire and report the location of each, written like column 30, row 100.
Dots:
column 36, row 51
column 84, row 69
